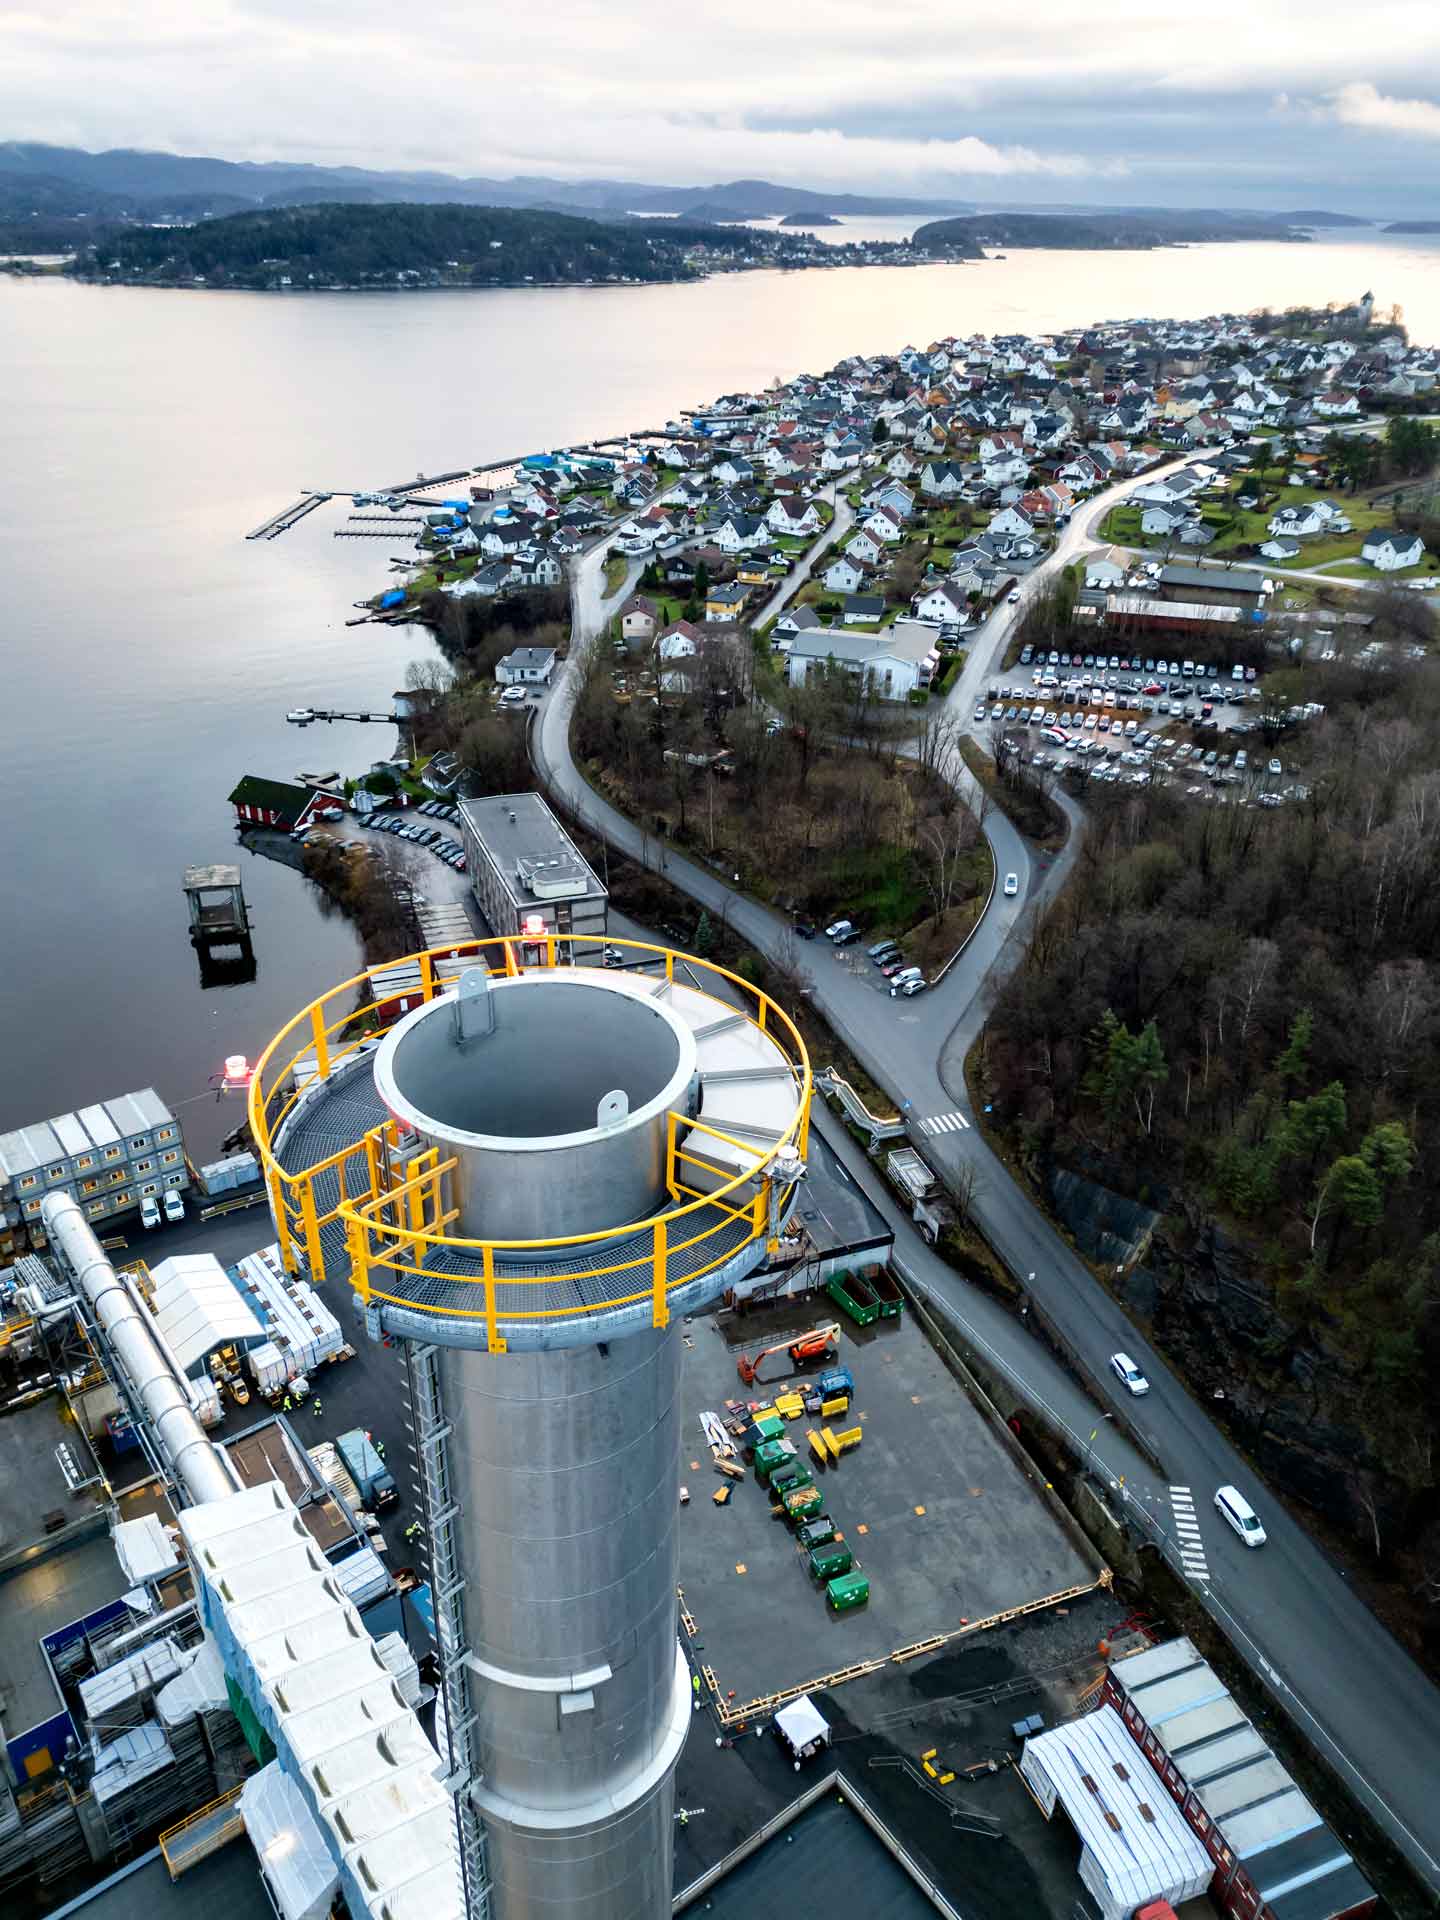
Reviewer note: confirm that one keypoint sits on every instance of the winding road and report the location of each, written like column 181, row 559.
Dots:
column 1286, row 1608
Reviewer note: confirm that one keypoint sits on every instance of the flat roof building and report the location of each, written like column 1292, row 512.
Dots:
column 109, row 1157
column 526, row 871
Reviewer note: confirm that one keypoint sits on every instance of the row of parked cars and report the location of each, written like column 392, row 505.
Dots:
column 905, row 980
column 404, row 827
column 1133, row 663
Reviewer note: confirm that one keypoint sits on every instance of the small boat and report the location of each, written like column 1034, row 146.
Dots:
column 300, row 716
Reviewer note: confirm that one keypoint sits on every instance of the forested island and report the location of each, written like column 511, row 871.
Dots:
column 364, row 246
column 410, row 245
column 1413, row 226
column 1145, row 228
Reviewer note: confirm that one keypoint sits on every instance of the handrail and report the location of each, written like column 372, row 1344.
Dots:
column 390, row 1223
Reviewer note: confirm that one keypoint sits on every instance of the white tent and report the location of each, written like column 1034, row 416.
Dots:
column 803, row 1728
column 198, row 1309
column 291, row 1848
column 144, row 1549
column 1137, row 1844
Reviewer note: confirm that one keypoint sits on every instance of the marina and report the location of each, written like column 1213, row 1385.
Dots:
column 289, row 517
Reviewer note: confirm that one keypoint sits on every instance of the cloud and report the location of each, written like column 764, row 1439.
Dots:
column 1361, row 104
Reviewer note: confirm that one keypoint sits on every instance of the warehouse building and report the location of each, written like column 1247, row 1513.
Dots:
column 527, row 873
column 1271, row 1854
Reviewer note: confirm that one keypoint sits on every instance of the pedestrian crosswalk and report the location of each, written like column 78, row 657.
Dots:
column 944, row 1123
column 1187, row 1533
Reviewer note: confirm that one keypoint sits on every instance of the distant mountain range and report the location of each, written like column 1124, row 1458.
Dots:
column 66, row 182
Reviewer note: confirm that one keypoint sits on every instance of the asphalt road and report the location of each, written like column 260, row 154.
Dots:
column 1286, row 1608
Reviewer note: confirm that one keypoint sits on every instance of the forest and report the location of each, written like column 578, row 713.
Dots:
column 339, row 245
column 1233, row 1015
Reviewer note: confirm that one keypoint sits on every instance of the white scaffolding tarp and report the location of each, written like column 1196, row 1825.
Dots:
column 1137, row 1844
column 289, row 1845
column 199, row 1309
column 144, row 1549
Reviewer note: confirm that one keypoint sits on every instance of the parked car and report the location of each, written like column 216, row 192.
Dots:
column 1129, row 1375
column 149, row 1211
column 1014, row 597
column 1012, row 885
column 174, row 1206
column 838, row 927
column 909, row 988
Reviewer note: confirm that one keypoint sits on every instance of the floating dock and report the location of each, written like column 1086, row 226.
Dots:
column 282, row 522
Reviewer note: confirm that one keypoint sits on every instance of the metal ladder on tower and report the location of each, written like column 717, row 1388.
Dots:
column 447, row 1586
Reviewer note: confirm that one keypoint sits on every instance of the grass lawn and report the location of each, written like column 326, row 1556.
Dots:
column 1121, row 527
column 616, row 567
column 1357, row 570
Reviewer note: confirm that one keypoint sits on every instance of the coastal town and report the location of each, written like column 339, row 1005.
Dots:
column 835, row 791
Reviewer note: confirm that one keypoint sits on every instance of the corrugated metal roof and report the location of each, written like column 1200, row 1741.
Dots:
column 1198, row 1728
column 70, row 1133
column 1135, row 1834
column 99, row 1126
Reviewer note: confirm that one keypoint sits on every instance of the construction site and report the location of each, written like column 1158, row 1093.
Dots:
column 559, row 1507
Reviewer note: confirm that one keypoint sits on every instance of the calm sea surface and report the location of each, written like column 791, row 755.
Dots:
column 150, row 652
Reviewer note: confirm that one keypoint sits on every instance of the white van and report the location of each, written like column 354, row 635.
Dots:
column 1232, row 1505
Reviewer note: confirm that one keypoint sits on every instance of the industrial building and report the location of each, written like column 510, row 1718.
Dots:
column 109, row 1157
column 527, row 1181
column 526, row 872
column 1272, row 1856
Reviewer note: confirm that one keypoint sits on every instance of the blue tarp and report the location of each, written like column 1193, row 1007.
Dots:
column 394, row 598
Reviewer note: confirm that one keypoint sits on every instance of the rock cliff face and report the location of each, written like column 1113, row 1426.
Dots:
column 1288, row 1390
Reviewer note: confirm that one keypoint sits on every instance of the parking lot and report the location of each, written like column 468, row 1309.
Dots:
column 936, row 1509
column 1140, row 721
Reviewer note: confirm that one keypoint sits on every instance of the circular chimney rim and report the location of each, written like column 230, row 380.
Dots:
column 442, row 1008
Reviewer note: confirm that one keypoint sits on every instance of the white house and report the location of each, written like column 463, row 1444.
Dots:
column 1387, row 549
column 1282, row 548
column 1336, row 405
column 1163, row 520
column 740, row 533
column 843, row 575
column 946, row 603
column 793, row 516
column 886, row 526
column 1013, row 520
column 864, row 547
column 894, row 662
column 526, row 667
column 942, row 479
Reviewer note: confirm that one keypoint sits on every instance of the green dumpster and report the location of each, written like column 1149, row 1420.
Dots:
column 769, row 1455
column 829, row 1562
column 803, row 1503
column 769, row 1426
column 794, row 1473
column 815, row 1533
column 849, row 1590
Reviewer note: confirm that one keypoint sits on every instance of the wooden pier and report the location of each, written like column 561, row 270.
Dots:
column 323, row 713
column 282, row 522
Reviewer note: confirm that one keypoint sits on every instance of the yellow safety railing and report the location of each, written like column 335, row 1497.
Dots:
column 393, row 1221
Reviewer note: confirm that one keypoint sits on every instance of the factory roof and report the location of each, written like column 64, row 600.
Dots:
column 1228, row 580
column 225, row 1886
column 532, row 855
column 1303, row 1871
column 1137, row 606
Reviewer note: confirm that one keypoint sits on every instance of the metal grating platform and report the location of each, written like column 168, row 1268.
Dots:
column 337, row 1115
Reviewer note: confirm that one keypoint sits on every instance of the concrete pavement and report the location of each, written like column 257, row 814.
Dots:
column 1346, row 1682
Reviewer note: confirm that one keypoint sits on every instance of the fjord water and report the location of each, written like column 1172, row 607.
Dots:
column 150, row 652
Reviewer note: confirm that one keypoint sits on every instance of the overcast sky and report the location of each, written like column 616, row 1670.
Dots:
column 1240, row 102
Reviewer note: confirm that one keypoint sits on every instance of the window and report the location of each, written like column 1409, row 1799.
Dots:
column 112, row 1153
column 139, row 1146
column 84, row 1160
column 55, row 1173
column 150, row 1186
column 89, row 1186
column 26, row 1181
column 144, row 1166
column 168, row 1158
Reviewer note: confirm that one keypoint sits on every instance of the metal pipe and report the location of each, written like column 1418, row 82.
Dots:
column 182, row 1440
